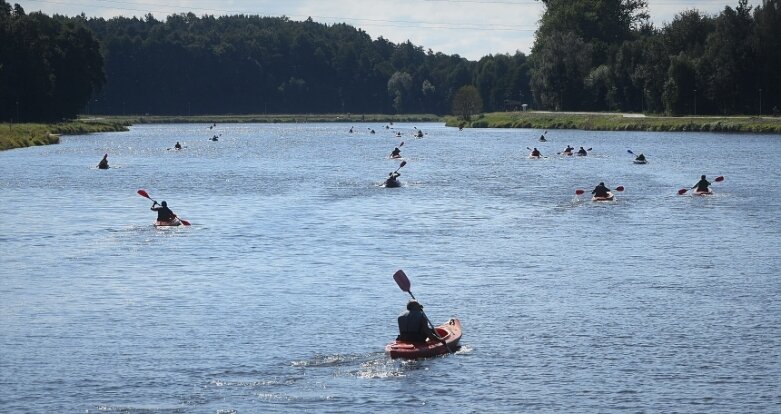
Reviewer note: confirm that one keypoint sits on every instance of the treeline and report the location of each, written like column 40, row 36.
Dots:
column 193, row 65
column 49, row 68
column 604, row 55
column 594, row 55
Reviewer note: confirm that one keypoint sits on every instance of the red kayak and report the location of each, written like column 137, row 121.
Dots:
column 702, row 193
column 450, row 332
column 169, row 223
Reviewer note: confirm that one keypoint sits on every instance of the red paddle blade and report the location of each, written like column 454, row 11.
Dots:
column 401, row 279
column 719, row 179
column 682, row 191
column 185, row 222
column 579, row 191
column 620, row 188
column 143, row 193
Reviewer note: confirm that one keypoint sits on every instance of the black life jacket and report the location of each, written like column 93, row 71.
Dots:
column 409, row 327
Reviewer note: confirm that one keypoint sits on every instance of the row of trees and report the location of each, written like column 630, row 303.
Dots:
column 604, row 55
column 49, row 68
column 588, row 55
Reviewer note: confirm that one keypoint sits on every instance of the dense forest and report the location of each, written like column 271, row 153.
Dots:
column 588, row 55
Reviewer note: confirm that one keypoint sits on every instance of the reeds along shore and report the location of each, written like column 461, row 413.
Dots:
column 621, row 122
column 27, row 135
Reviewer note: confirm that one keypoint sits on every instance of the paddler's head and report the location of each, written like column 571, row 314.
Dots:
column 414, row 305
column 164, row 204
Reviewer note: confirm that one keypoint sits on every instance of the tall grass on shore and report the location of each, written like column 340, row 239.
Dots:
column 620, row 122
column 26, row 135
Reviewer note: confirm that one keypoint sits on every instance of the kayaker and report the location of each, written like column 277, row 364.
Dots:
column 103, row 164
column 536, row 153
column 582, row 152
column 568, row 151
column 419, row 134
column 163, row 212
column 391, row 181
column 542, row 138
column 178, row 145
column 396, row 153
column 601, row 191
column 702, row 185
column 640, row 157
column 413, row 324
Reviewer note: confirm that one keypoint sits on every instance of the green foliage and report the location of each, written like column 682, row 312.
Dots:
column 467, row 102
column 49, row 68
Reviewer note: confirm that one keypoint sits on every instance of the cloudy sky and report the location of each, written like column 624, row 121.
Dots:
column 470, row 28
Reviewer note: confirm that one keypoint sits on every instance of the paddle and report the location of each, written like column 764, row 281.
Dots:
column 683, row 191
column 579, row 191
column 403, row 281
column 403, row 163
column 144, row 194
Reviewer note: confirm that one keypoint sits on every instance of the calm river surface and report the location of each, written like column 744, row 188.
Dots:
column 280, row 296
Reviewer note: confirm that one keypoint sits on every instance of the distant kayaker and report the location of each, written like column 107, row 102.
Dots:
column 640, row 157
column 391, row 180
column 601, row 191
column 163, row 212
column 568, row 150
column 419, row 134
column 536, row 153
column 582, row 152
column 103, row 164
column 413, row 324
column 542, row 138
column 396, row 153
column 178, row 145
column 351, row 130
column 702, row 185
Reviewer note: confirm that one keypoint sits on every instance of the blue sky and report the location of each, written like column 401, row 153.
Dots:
column 470, row 28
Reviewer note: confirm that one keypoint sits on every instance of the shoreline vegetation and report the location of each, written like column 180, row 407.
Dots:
column 596, row 121
column 25, row 135
column 28, row 135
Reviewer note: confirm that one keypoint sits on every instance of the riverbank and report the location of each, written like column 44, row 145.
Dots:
column 27, row 135
column 621, row 122
column 271, row 118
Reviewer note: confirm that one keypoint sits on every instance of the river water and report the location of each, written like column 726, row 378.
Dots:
column 280, row 297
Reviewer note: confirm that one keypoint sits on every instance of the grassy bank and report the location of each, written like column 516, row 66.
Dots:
column 26, row 135
column 277, row 118
column 619, row 122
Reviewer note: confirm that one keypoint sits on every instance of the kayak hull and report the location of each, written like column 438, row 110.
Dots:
column 702, row 193
column 609, row 197
column 640, row 162
column 171, row 223
column 392, row 183
column 449, row 331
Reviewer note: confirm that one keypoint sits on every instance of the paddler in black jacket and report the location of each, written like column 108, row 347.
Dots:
column 413, row 324
column 163, row 212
